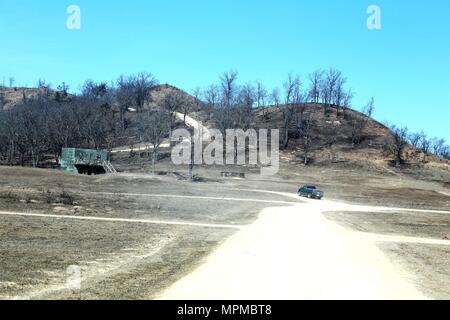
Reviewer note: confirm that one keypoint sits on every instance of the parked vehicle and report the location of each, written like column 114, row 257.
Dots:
column 310, row 191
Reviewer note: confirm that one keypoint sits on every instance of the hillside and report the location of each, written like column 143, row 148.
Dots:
column 332, row 135
column 9, row 97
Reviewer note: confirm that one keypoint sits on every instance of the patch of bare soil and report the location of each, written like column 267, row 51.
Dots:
column 35, row 254
column 412, row 224
column 429, row 265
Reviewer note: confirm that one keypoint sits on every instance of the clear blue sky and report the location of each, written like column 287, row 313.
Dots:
column 405, row 65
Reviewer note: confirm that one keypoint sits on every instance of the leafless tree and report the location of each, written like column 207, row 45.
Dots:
column 414, row 139
column 154, row 128
column 369, row 108
column 186, row 105
column 275, row 99
column 437, row 146
column 339, row 93
column 124, row 94
column 357, row 126
column 11, row 81
column 260, row 94
column 347, row 99
column 424, row 143
column 358, row 123
column 142, row 85
column 228, row 87
column 197, row 94
column 244, row 109
column 93, row 90
column 316, row 83
column 63, row 92
column 44, row 87
column 292, row 88
column 446, row 152
column 305, row 123
column 171, row 103
column 212, row 96
column 397, row 143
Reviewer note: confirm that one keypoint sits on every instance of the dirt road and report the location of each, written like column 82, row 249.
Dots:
column 166, row 144
column 296, row 253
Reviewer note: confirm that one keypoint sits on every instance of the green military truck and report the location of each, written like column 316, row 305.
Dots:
column 85, row 161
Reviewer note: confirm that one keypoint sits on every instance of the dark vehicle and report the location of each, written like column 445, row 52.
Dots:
column 310, row 191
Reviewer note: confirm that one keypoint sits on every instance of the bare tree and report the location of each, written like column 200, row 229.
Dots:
column 93, row 90
column 260, row 94
column 228, row 87
column 397, row 143
column 331, row 81
column 424, row 143
column 225, row 101
column 186, row 105
column 153, row 126
column 414, row 139
column 212, row 96
column 244, row 110
column 347, row 99
column 445, row 153
column 63, row 92
column 357, row 126
column 292, row 88
column 142, row 85
column 275, row 99
column 11, row 81
column 197, row 94
column 316, row 83
column 437, row 146
column 369, row 108
column 339, row 93
column 224, row 117
column 124, row 94
column 44, row 87
column 358, row 123
column 305, row 123
column 172, row 102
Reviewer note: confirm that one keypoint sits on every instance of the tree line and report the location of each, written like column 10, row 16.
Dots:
column 95, row 118
column 232, row 106
column 101, row 115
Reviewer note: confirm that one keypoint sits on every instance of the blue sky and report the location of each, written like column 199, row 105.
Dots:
column 405, row 65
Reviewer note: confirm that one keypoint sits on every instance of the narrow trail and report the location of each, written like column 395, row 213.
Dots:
column 189, row 121
column 393, row 238
column 104, row 219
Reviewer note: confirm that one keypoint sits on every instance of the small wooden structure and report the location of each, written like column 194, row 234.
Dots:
column 85, row 161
